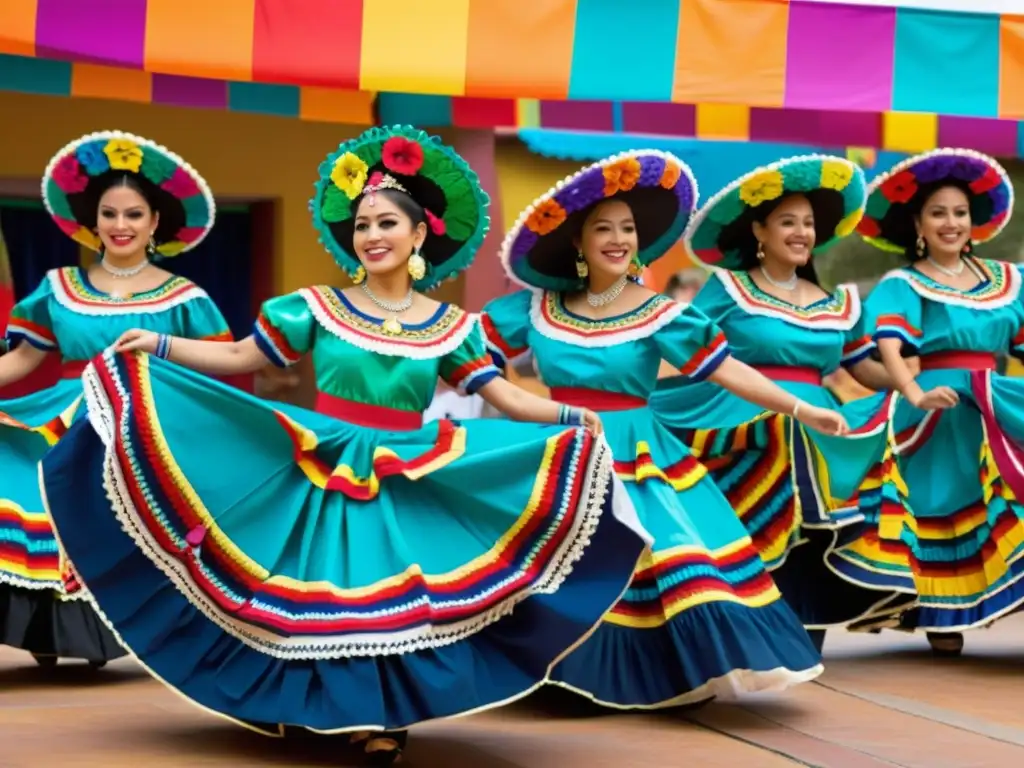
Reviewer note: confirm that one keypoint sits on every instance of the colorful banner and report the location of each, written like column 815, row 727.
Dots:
column 894, row 131
column 957, row 58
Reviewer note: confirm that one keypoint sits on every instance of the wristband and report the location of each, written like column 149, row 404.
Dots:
column 163, row 346
column 796, row 408
column 571, row 416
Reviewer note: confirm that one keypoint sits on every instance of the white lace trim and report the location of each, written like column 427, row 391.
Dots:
column 586, row 518
column 110, row 307
column 426, row 350
column 851, row 295
column 584, row 339
column 926, row 292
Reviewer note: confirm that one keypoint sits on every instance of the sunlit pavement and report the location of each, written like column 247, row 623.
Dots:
column 883, row 701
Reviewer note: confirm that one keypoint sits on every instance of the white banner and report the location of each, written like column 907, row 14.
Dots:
column 955, row 6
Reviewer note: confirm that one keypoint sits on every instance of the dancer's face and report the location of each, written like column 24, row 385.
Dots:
column 787, row 234
column 384, row 236
column 609, row 239
column 124, row 223
column 945, row 221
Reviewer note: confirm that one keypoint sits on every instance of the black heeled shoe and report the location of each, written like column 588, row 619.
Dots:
column 45, row 660
column 947, row 644
column 817, row 638
column 382, row 747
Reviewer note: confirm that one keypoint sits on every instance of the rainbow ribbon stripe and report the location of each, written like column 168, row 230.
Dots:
column 955, row 57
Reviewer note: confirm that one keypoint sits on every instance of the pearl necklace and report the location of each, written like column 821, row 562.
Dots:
column 392, row 325
column 120, row 273
column 951, row 271
column 789, row 284
column 607, row 297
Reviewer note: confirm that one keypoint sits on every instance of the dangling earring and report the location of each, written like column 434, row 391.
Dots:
column 359, row 275
column 151, row 246
column 920, row 246
column 967, row 250
column 636, row 269
column 760, row 251
column 581, row 266
column 417, row 266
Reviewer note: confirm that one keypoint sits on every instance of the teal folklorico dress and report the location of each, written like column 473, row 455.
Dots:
column 809, row 501
column 961, row 526
column 40, row 606
column 702, row 617
column 345, row 569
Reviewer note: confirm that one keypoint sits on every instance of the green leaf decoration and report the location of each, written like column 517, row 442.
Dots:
column 156, row 166
column 336, row 205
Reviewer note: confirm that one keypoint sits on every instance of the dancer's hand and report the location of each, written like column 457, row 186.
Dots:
column 821, row 419
column 136, row 338
column 937, row 399
column 592, row 421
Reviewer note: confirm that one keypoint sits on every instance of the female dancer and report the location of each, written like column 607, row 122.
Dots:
column 957, row 426
column 130, row 200
column 791, row 486
column 353, row 568
column 702, row 617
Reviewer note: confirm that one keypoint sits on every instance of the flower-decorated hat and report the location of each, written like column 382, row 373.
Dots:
column 894, row 196
column 721, row 234
column 659, row 188
column 431, row 173
column 76, row 175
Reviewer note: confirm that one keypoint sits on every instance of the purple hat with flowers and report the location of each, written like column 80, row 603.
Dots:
column 896, row 196
column 76, row 176
column 658, row 187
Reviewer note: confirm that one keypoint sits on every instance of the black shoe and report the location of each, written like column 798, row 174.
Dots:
column 818, row 638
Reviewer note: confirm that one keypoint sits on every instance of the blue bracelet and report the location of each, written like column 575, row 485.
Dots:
column 163, row 346
column 575, row 417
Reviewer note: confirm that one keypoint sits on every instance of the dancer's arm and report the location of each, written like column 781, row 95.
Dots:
column 214, row 358
column 20, row 362
column 904, row 379
column 520, row 405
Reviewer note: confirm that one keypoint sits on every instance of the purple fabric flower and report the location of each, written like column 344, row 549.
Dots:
column 651, row 170
column 941, row 167
column 1000, row 197
column 586, row 190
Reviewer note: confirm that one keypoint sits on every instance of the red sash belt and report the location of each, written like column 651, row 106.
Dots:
column 968, row 361
column 798, row 374
column 596, row 399
column 364, row 415
column 72, row 369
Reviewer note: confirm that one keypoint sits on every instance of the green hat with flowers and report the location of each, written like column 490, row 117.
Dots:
column 430, row 172
column 721, row 234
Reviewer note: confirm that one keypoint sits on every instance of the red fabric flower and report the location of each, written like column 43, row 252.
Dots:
column 375, row 179
column 869, row 227
column 68, row 175
column 436, row 225
column 988, row 181
column 402, row 156
column 900, row 188
column 181, row 185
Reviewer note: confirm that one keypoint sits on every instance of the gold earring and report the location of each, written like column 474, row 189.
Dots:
column 417, row 266
column 760, row 251
column 359, row 275
column 920, row 246
column 151, row 246
column 581, row 266
column 636, row 269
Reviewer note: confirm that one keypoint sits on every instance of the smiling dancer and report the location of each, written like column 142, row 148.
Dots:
column 958, row 426
column 131, row 200
column 803, row 496
column 349, row 569
column 702, row 617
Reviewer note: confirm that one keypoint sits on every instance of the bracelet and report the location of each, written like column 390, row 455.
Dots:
column 571, row 416
column 163, row 346
column 796, row 408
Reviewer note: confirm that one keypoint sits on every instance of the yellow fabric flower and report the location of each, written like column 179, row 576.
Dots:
column 123, row 155
column 761, row 188
column 847, row 225
column 835, row 175
column 349, row 175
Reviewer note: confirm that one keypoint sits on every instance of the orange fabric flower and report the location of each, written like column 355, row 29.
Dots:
column 546, row 217
column 670, row 176
column 621, row 176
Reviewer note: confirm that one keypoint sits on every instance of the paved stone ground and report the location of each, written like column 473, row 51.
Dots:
column 883, row 701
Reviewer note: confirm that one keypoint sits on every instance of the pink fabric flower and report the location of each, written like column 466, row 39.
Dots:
column 68, row 175
column 190, row 234
column 181, row 185
column 68, row 227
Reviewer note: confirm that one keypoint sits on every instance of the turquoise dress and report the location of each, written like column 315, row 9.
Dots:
column 809, row 501
column 961, row 526
column 702, row 617
column 39, row 611
column 345, row 569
